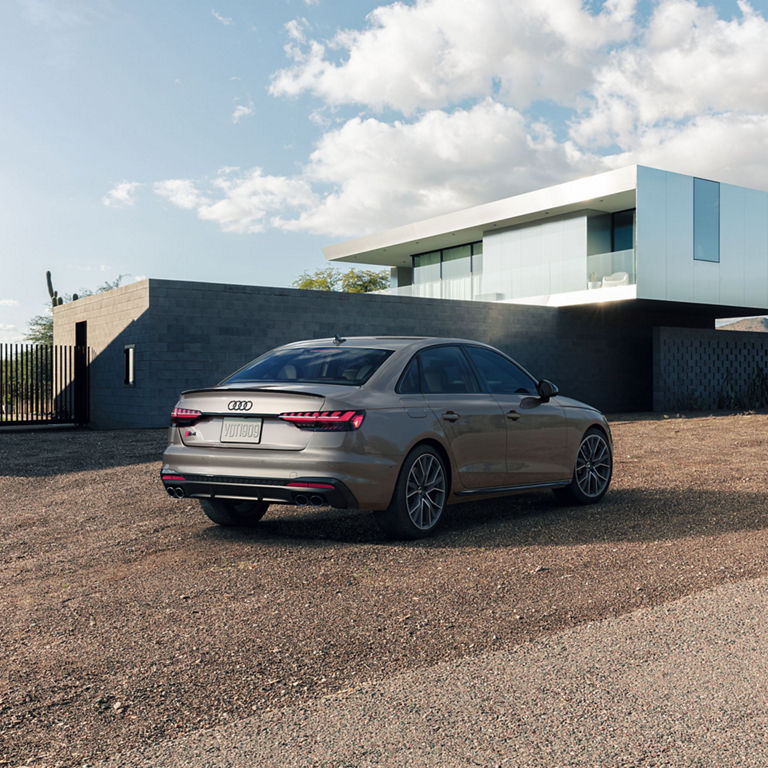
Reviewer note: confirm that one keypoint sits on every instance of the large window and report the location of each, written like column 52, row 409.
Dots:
column 461, row 261
column 623, row 230
column 706, row 220
column 426, row 267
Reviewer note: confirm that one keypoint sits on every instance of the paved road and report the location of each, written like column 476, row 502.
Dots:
column 682, row 684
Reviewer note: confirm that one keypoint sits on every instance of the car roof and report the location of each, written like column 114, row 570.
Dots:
column 381, row 342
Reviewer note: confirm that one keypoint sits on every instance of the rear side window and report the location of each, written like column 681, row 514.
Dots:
column 444, row 370
column 409, row 381
column 327, row 365
column 500, row 376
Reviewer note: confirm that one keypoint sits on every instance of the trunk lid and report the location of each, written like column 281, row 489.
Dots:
column 247, row 417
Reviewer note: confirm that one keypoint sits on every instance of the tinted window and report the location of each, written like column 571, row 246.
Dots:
column 444, row 370
column 409, row 381
column 501, row 376
column 706, row 220
column 329, row 365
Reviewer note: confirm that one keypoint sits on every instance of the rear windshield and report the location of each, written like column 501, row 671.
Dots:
column 329, row 365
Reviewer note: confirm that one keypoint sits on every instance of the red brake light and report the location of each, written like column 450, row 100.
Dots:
column 185, row 416
column 325, row 421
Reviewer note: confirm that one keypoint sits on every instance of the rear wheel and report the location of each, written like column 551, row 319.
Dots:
column 234, row 512
column 592, row 473
column 418, row 502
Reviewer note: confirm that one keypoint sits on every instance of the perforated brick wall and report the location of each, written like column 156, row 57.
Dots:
column 696, row 369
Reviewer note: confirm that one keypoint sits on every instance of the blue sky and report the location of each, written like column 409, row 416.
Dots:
column 230, row 141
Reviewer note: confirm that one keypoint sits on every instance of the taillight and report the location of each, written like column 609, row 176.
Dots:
column 185, row 416
column 325, row 421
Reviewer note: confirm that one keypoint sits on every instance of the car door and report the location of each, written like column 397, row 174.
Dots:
column 472, row 420
column 536, row 430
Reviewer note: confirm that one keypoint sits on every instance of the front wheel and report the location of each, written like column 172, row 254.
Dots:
column 592, row 473
column 418, row 502
column 234, row 512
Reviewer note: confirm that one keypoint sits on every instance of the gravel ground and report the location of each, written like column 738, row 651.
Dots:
column 129, row 620
column 683, row 684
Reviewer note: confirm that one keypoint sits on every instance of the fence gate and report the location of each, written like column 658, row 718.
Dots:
column 44, row 384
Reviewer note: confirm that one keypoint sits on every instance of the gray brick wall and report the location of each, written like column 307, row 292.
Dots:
column 189, row 335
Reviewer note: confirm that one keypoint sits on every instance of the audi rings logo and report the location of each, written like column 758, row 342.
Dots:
column 239, row 405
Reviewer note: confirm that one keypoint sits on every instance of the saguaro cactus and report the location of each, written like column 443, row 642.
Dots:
column 56, row 300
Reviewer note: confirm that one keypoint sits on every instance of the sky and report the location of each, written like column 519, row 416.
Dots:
column 229, row 141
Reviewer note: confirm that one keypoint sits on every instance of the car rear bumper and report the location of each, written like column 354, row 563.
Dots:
column 317, row 491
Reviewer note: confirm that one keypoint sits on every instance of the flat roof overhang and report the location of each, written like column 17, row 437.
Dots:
column 606, row 192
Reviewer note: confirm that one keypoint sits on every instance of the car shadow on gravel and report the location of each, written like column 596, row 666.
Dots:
column 40, row 454
column 536, row 519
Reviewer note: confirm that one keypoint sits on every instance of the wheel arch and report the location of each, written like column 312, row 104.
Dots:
column 437, row 446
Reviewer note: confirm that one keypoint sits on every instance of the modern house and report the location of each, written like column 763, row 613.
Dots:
column 636, row 233
column 608, row 285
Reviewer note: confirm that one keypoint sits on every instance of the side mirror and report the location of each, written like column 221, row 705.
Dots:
column 546, row 389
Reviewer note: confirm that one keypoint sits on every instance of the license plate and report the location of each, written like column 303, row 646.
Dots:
column 241, row 431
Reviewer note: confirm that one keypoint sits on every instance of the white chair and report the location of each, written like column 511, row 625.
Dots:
column 617, row 278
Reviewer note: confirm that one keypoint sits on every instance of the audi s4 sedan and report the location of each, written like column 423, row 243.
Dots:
column 398, row 426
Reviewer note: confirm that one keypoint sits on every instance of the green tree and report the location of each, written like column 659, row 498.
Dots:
column 364, row 280
column 351, row 281
column 40, row 329
column 327, row 279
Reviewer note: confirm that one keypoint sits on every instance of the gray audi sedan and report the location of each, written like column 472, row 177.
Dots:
column 401, row 426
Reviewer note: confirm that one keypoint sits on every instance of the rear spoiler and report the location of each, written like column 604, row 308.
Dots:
column 279, row 390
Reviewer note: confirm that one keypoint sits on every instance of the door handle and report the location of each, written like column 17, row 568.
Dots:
column 514, row 415
column 450, row 415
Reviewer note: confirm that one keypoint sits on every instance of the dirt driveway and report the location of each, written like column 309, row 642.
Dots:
column 127, row 618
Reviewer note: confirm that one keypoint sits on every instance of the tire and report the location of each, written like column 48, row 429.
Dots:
column 418, row 501
column 592, row 472
column 233, row 512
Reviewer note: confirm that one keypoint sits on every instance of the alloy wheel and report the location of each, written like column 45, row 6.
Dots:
column 593, row 465
column 425, row 491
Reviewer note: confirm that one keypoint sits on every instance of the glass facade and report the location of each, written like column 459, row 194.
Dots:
column 531, row 263
column 706, row 220
column 446, row 274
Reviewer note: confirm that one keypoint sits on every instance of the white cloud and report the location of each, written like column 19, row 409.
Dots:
column 122, row 195
column 496, row 97
column 181, row 192
column 225, row 20
column 10, row 334
column 9, row 303
column 435, row 53
column 688, row 63
column 240, row 201
column 241, row 111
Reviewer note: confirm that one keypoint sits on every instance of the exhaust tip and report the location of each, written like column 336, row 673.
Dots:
column 316, row 500
column 179, row 493
column 300, row 499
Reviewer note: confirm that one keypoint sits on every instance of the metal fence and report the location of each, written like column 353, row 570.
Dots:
column 43, row 384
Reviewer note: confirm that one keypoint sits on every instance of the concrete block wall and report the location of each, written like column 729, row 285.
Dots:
column 119, row 314
column 189, row 335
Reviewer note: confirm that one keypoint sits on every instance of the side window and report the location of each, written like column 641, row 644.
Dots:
column 444, row 370
column 409, row 381
column 501, row 376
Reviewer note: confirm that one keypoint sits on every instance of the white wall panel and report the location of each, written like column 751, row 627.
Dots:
column 756, row 249
column 679, row 237
column 732, row 244
column 537, row 260
column 651, row 233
